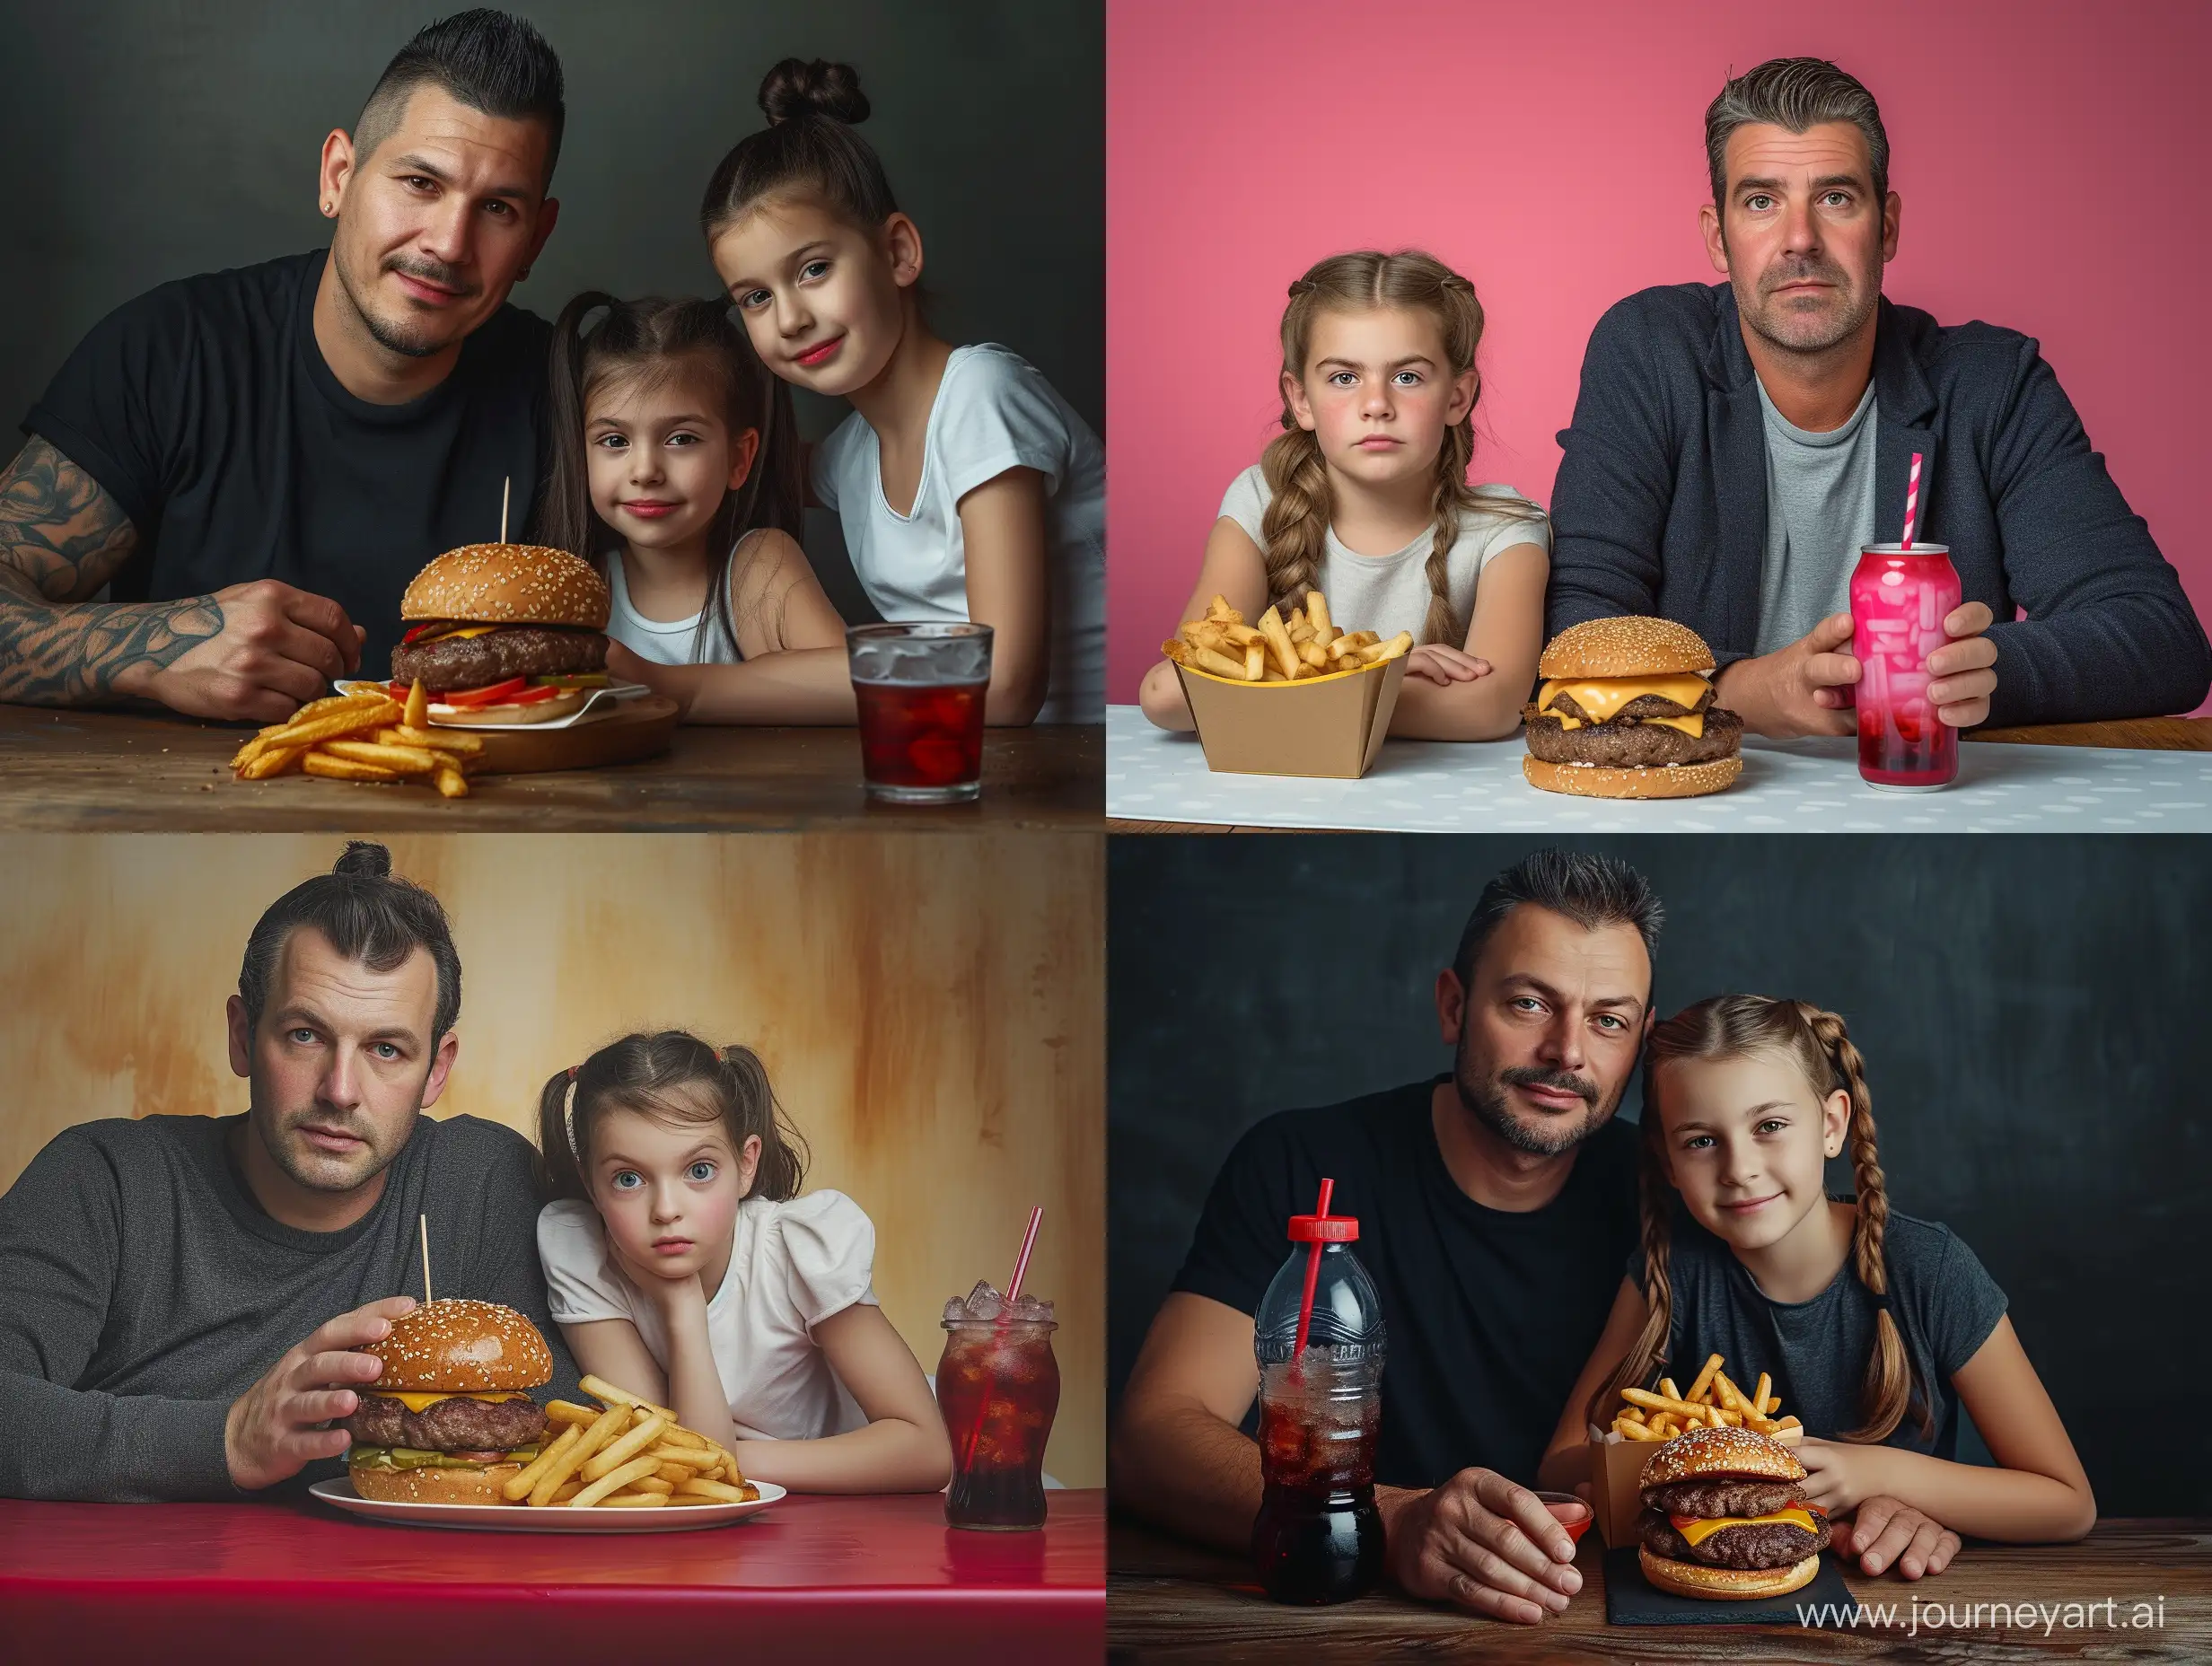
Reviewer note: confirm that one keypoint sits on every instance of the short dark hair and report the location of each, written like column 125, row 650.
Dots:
column 491, row 61
column 369, row 917
column 1797, row 93
column 1589, row 888
column 808, row 149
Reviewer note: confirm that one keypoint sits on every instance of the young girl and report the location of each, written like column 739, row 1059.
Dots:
column 683, row 1266
column 967, row 489
column 1876, row 1327
column 1365, row 497
column 676, row 471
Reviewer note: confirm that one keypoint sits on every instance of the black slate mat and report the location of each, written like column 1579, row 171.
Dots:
column 1631, row 1600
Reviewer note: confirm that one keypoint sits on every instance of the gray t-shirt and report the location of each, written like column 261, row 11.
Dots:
column 1944, row 1301
column 146, row 1290
column 1820, row 514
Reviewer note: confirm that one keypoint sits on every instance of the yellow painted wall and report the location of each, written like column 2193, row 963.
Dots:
column 930, row 1009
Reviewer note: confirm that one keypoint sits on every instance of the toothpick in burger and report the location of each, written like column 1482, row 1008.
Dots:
column 1723, row 1518
column 450, row 1420
column 1625, row 711
column 504, row 633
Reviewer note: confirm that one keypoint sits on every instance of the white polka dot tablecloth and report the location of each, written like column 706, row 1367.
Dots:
column 1787, row 787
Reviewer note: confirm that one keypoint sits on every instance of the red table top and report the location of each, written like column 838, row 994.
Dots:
column 833, row 1577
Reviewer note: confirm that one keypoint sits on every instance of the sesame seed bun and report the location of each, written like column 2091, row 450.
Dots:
column 477, row 1483
column 1734, row 1453
column 460, row 1347
column 1628, row 645
column 509, row 584
column 1603, row 781
column 1726, row 1584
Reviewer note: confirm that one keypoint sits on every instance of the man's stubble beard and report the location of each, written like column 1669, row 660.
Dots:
column 276, row 1132
column 382, row 333
column 1485, row 1101
column 1768, row 325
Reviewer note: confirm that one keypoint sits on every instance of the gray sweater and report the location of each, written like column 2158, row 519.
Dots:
column 142, row 1290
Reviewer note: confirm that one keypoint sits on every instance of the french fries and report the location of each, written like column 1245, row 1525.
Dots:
column 627, row 1454
column 363, row 735
column 1714, row 1402
column 1304, row 643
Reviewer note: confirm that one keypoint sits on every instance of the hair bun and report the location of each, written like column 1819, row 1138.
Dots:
column 819, row 88
column 363, row 860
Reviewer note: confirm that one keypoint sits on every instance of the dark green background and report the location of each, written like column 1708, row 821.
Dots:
column 144, row 141
column 2031, row 1011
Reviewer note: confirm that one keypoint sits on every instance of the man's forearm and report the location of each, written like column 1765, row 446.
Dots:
column 112, row 1448
column 2128, row 657
column 89, row 653
column 1184, row 1469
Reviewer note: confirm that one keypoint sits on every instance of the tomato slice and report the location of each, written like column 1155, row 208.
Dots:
column 492, row 694
column 531, row 696
column 420, row 631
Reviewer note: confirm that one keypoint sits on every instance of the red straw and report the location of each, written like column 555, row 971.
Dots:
column 1312, row 1272
column 1005, row 1313
column 1912, row 498
column 1021, row 1262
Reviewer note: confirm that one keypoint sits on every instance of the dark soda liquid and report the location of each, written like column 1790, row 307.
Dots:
column 1906, row 750
column 924, row 740
column 997, row 1391
column 1318, row 1538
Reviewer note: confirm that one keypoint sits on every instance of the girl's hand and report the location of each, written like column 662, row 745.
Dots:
column 1443, row 665
column 1838, row 1474
column 675, row 682
column 669, row 1295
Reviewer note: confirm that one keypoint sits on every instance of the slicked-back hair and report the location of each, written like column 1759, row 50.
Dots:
column 491, row 61
column 1589, row 888
column 1796, row 93
column 368, row 916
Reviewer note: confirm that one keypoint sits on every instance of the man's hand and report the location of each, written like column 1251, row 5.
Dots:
column 1964, row 681
column 273, row 1430
column 1444, row 666
column 1886, row 1532
column 273, row 648
column 1485, row 1544
column 1797, row 691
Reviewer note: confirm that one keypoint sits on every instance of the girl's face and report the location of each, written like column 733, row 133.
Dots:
column 824, row 302
column 1378, row 394
column 668, row 1191
column 661, row 457
column 1745, row 1142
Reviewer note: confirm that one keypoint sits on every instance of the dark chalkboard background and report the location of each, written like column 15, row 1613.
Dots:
column 2033, row 1012
column 146, row 140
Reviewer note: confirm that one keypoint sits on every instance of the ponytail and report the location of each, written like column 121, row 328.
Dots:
column 568, row 521
column 1655, row 1206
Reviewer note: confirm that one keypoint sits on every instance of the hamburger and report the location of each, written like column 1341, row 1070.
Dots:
column 504, row 633
column 1723, row 1518
column 450, row 1420
column 1625, row 711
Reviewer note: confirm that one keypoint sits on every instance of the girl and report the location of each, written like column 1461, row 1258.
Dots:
column 682, row 1265
column 1877, row 1327
column 1365, row 497
column 676, row 471
column 967, row 489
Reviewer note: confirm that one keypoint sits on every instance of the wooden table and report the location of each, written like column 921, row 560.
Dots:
column 1170, row 1602
column 132, row 773
column 811, row 1578
column 2150, row 734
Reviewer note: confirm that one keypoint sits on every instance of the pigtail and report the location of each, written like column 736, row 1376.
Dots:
column 570, row 522
column 774, row 496
column 781, row 1169
column 1656, row 1205
column 1294, row 532
column 1890, row 1388
column 1443, row 623
column 559, row 1164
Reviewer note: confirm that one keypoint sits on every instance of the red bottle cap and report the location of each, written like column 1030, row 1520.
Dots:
column 1323, row 1229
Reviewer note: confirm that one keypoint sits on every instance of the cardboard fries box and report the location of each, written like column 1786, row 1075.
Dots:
column 1330, row 726
column 1617, row 1479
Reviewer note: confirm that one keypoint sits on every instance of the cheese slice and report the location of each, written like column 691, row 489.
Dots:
column 418, row 1400
column 457, row 633
column 1696, row 1529
column 1601, row 698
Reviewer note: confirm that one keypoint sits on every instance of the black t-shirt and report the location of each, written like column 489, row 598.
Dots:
column 205, row 408
column 1491, row 1315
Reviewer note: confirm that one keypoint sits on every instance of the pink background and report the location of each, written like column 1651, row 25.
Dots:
column 2053, row 176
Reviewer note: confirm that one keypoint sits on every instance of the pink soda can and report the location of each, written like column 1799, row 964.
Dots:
column 1900, row 599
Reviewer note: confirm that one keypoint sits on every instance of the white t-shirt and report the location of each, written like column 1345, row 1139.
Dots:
column 1389, row 593
column 792, row 1266
column 994, row 411
column 670, row 642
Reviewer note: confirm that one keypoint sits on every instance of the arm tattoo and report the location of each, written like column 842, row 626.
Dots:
column 61, row 538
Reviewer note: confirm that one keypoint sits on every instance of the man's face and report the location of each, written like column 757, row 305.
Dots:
column 436, row 223
column 1801, row 235
column 340, row 1063
column 1550, row 1028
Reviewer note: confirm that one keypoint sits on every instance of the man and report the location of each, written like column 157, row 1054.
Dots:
column 1733, row 448
column 171, row 1282
column 256, row 462
column 1497, row 1208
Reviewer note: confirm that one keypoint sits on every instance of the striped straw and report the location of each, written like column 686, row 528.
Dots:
column 1912, row 498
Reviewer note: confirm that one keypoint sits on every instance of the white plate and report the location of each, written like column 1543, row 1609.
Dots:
column 603, row 702
column 551, row 1518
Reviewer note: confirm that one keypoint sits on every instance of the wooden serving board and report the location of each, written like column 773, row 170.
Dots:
column 638, row 728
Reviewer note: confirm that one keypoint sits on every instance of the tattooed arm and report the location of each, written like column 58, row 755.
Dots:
column 252, row 650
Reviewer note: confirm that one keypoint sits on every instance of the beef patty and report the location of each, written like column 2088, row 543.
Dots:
column 1711, row 1498
column 1769, row 1544
column 450, row 1425
column 512, row 651
column 1629, row 745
